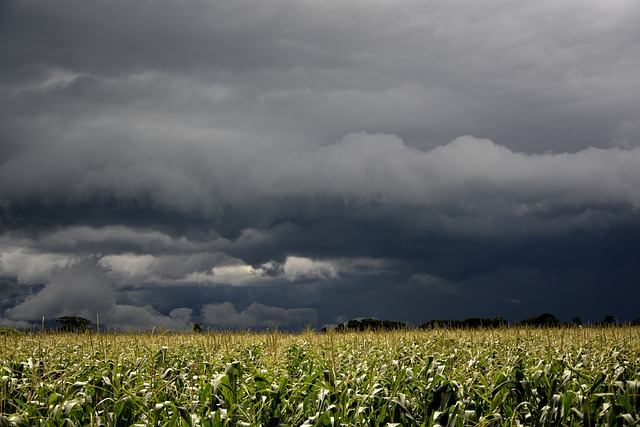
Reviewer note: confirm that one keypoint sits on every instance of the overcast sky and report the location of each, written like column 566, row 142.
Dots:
column 286, row 163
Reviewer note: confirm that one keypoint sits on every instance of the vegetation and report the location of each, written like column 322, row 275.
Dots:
column 74, row 324
column 541, row 320
column 449, row 377
column 368, row 325
column 544, row 320
column 471, row 323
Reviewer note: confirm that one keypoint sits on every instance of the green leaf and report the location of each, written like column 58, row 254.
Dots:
column 628, row 418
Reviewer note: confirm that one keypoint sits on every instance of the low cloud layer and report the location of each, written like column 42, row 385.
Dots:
column 292, row 164
column 469, row 178
column 256, row 315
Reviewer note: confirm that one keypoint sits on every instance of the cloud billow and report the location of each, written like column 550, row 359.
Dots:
column 467, row 177
column 298, row 163
column 358, row 197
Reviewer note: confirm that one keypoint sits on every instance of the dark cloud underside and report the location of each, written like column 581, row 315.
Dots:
column 243, row 164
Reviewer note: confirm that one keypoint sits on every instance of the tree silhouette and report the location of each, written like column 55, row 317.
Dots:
column 74, row 324
column 577, row 321
column 470, row 323
column 541, row 321
column 197, row 328
column 609, row 320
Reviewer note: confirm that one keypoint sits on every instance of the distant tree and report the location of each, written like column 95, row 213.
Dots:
column 541, row 320
column 500, row 322
column 577, row 321
column 74, row 324
column 368, row 324
column 609, row 320
column 355, row 325
column 470, row 323
column 197, row 328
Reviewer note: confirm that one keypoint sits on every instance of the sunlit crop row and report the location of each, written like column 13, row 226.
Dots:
column 509, row 377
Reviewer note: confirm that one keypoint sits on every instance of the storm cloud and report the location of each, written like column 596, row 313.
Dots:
column 243, row 164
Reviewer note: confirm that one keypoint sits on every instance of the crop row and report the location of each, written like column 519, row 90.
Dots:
column 453, row 378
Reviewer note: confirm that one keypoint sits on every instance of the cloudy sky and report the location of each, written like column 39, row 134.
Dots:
column 287, row 163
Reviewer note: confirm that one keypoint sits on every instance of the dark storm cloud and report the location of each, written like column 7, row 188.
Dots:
column 558, row 77
column 256, row 315
column 300, row 162
column 469, row 186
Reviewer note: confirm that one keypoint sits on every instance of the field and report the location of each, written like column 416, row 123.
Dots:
column 568, row 376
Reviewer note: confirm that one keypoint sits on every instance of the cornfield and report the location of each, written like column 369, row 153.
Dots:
column 502, row 377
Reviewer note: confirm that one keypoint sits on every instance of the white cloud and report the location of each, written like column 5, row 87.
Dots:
column 78, row 290
column 83, row 237
column 83, row 290
column 240, row 274
column 296, row 268
column 129, row 267
column 30, row 266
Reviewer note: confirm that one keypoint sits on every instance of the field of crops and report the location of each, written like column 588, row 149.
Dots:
column 570, row 376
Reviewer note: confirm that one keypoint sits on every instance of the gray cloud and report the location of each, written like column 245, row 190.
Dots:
column 283, row 72
column 362, row 168
column 256, row 315
column 69, row 289
column 402, row 159
column 82, row 290
column 470, row 186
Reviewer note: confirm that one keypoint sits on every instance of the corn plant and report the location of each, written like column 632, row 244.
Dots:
column 507, row 377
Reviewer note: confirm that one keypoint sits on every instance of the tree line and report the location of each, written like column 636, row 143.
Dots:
column 80, row 324
column 543, row 320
